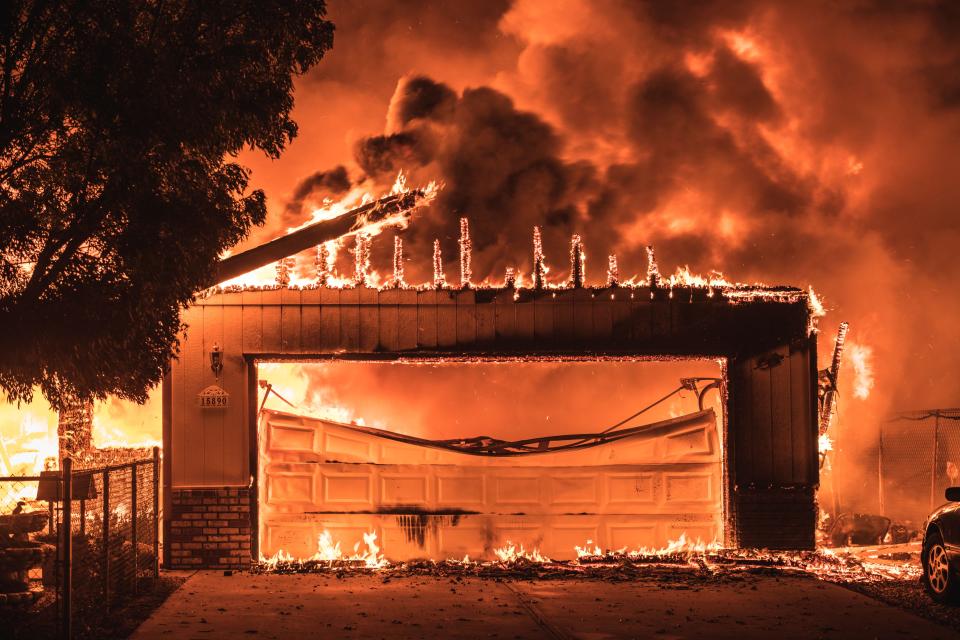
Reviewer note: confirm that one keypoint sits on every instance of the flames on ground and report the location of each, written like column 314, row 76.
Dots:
column 704, row 558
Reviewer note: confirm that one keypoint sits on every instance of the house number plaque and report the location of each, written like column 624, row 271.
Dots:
column 213, row 397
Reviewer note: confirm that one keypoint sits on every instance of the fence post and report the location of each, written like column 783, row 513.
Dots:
column 156, row 513
column 133, row 522
column 880, row 473
column 933, row 465
column 67, row 497
column 105, row 535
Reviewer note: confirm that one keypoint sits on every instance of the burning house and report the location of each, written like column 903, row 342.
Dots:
column 243, row 482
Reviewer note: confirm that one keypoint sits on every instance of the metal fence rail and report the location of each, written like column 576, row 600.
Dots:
column 918, row 458
column 109, row 551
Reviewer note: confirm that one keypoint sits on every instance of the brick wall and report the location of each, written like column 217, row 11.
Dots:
column 209, row 528
column 775, row 518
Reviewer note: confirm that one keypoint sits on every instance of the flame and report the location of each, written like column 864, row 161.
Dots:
column 840, row 565
column 861, row 360
column 587, row 552
column 107, row 434
column 304, row 272
column 328, row 551
column 824, row 443
column 293, row 384
column 511, row 553
column 815, row 304
column 26, row 452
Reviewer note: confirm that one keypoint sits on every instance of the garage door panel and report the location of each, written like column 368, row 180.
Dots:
column 573, row 490
column 689, row 487
column 405, row 489
column 291, row 488
column 345, row 448
column 424, row 502
column 348, row 489
column 631, row 488
column 291, row 437
column 517, row 491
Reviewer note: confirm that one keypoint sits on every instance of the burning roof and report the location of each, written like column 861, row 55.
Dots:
column 395, row 209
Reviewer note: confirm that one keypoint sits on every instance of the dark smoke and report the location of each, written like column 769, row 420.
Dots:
column 799, row 143
column 502, row 168
column 315, row 188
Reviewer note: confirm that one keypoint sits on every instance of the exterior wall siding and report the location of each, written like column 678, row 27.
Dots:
column 768, row 408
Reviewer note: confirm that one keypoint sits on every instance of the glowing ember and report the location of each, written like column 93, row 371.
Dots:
column 322, row 264
column 539, row 266
column 510, row 278
column 653, row 271
column 613, row 272
column 439, row 279
column 578, row 262
column 466, row 251
column 362, row 260
column 282, row 269
column 397, row 280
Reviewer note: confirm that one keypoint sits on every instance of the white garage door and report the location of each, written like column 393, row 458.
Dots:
column 425, row 502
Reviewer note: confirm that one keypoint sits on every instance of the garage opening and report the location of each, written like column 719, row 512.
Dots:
column 442, row 459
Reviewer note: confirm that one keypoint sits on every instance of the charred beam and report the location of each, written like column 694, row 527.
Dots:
column 829, row 379
column 399, row 204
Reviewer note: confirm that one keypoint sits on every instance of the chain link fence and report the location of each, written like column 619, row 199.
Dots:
column 918, row 458
column 70, row 576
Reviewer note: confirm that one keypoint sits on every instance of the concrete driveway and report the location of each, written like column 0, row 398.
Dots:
column 211, row 606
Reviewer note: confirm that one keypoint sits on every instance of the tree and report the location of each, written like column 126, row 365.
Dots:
column 119, row 124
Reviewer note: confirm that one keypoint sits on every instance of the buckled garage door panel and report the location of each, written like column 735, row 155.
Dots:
column 287, row 437
column 428, row 502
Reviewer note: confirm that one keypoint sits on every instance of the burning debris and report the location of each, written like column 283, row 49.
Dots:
column 828, row 380
column 362, row 255
column 323, row 264
column 707, row 560
column 466, row 255
column 613, row 271
column 578, row 262
column 397, row 281
column 539, row 267
column 439, row 279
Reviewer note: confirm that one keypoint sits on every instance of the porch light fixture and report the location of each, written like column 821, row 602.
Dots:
column 216, row 359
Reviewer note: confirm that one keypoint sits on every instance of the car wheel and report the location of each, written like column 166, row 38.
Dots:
column 941, row 583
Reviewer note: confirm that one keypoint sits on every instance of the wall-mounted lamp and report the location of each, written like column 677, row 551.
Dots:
column 216, row 359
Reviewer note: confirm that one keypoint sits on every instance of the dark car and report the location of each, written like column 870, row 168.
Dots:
column 941, row 550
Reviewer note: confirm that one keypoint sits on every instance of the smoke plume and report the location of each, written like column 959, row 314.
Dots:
column 798, row 143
